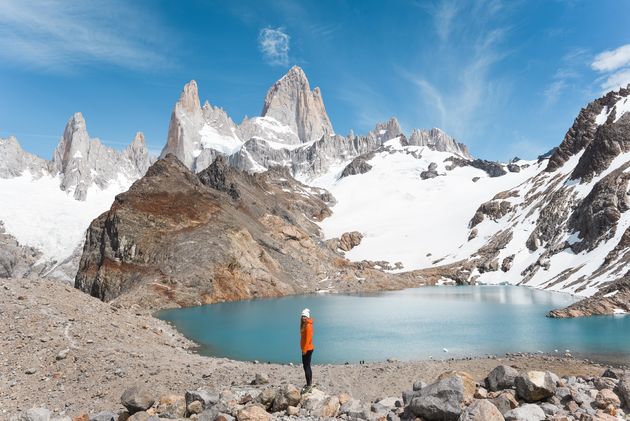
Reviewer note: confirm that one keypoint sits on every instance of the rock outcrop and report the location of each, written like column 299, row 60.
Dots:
column 179, row 238
column 612, row 299
column 14, row 160
column 437, row 140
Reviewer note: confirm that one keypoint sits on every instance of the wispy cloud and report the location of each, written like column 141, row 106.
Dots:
column 456, row 86
column 612, row 59
column 566, row 76
column 274, row 44
column 614, row 67
column 58, row 36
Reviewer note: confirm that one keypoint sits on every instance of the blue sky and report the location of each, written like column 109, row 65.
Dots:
column 506, row 78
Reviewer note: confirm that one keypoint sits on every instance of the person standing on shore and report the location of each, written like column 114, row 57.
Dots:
column 306, row 343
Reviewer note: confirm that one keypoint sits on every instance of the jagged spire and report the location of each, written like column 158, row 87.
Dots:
column 291, row 102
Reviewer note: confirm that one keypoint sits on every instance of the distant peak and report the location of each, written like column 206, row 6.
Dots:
column 139, row 139
column 189, row 98
column 77, row 120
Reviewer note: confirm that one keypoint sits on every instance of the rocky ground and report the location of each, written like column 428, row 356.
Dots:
column 74, row 354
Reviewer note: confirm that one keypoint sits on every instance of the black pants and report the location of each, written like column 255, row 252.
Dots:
column 306, row 362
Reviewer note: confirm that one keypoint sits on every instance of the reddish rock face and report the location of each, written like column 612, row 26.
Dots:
column 179, row 238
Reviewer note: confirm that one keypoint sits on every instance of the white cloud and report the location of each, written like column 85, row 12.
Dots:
column 617, row 80
column 56, row 35
column 614, row 66
column 612, row 59
column 274, row 44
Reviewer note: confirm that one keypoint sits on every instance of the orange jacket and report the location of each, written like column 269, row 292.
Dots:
column 306, row 336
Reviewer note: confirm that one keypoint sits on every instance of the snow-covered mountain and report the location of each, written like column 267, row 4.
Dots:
column 47, row 205
column 293, row 131
column 558, row 223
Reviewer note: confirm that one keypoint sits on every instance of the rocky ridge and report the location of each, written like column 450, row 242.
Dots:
column 293, row 131
column 151, row 247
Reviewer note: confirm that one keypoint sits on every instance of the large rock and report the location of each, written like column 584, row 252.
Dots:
column 354, row 409
column 623, row 390
column 358, row 165
column 501, row 377
column 288, row 395
column 136, row 399
column 253, row 413
column 607, row 397
column 329, row 408
column 481, row 410
column 534, row 386
column 171, row 406
column 470, row 385
column 104, row 416
column 527, row 412
column 505, row 402
column 206, row 398
column 442, row 400
column 350, row 240
column 34, row 414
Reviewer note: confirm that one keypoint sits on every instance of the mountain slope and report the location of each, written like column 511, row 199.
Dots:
column 568, row 227
column 412, row 204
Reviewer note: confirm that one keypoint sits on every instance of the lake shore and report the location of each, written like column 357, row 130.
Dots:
column 72, row 353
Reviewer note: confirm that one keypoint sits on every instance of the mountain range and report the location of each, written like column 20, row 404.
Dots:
column 281, row 204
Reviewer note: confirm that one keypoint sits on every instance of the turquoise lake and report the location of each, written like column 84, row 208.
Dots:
column 409, row 324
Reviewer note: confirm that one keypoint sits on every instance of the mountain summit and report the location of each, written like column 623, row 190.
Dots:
column 291, row 102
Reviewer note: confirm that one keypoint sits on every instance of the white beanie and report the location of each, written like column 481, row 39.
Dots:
column 306, row 313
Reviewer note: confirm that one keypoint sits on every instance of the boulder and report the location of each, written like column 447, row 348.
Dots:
column 607, row 397
column 288, row 395
column 104, row 416
column 206, row 398
column 501, row 377
column 142, row 416
column 208, row 414
column 35, row 414
column 313, row 399
column 350, row 240
column 195, row 407
column 293, row 411
column 605, row 383
column 354, row 409
column 136, row 399
column 419, row 385
column 505, row 402
column 253, row 413
column 481, row 410
column 267, row 396
column 171, row 406
column 623, row 390
column 534, row 386
column 408, row 395
column 470, row 385
column 328, row 409
column 441, row 400
column 610, row 373
column 527, row 412
column 260, row 379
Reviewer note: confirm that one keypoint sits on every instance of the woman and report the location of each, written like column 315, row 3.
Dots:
column 306, row 343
